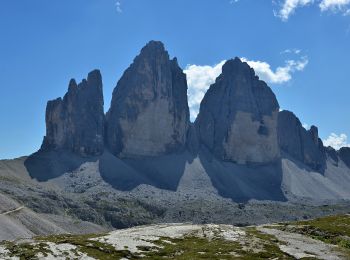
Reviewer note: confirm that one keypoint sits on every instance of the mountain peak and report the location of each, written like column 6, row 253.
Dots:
column 238, row 116
column 149, row 113
column 235, row 65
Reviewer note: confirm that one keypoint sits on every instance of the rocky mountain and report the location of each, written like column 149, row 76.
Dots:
column 76, row 122
column 237, row 121
column 344, row 155
column 301, row 144
column 149, row 114
column 241, row 162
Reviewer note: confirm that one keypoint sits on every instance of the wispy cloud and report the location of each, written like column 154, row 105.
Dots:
column 334, row 5
column 288, row 7
column 281, row 74
column 291, row 51
column 118, row 6
column 336, row 141
column 200, row 77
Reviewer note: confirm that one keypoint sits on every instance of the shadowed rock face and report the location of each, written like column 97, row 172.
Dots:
column 344, row 154
column 301, row 144
column 238, row 116
column 149, row 114
column 76, row 122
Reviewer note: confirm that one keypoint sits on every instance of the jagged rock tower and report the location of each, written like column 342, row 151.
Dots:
column 149, row 114
column 76, row 122
column 299, row 143
column 238, row 115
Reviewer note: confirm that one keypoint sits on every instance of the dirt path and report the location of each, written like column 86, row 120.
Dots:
column 300, row 246
column 11, row 211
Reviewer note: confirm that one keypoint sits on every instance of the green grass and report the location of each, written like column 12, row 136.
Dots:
column 83, row 243
column 255, row 245
column 332, row 230
column 90, row 247
column 191, row 247
column 26, row 250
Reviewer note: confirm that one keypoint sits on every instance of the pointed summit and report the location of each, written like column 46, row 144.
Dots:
column 238, row 116
column 149, row 115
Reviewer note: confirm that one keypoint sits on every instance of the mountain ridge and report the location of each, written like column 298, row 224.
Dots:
column 241, row 162
column 239, row 122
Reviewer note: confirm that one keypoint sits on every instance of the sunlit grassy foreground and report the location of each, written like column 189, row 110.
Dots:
column 185, row 241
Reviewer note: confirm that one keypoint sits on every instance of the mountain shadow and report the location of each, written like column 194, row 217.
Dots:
column 163, row 172
column 46, row 165
column 242, row 183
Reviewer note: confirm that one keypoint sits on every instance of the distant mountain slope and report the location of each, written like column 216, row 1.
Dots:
column 18, row 221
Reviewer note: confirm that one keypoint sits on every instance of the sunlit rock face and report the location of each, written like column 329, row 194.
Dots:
column 237, row 121
column 76, row 122
column 149, row 114
column 301, row 144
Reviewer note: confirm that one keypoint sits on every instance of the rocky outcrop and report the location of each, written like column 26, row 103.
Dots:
column 301, row 144
column 344, row 154
column 237, row 121
column 149, row 114
column 76, row 122
column 332, row 154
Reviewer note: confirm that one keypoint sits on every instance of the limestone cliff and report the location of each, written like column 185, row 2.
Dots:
column 237, row 121
column 149, row 114
column 303, row 145
column 76, row 122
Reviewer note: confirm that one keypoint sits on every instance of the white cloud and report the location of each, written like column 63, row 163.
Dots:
column 199, row 78
column 336, row 141
column 289, row 6
column 118, row 6
column 291, row 51
column 281, row 74
column 334, row 5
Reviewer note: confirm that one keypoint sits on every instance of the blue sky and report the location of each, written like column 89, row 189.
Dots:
column 301, row 47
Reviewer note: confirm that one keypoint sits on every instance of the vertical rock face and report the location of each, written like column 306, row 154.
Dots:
column 149, row 114
column 76, row 122
column 303, row 145
column 238, row 116
column 344, row 154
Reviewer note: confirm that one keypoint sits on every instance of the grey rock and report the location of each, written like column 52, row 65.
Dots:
column 332, row 154
column 76, row 122
column 301, row 144
column 238, row 116
column 289, row 136
column 344, row 154
column 193, row 144
column 149, row 114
